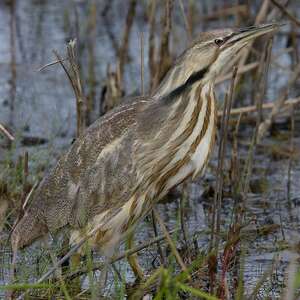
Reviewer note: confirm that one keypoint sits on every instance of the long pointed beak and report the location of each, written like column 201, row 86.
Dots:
column 246, row 34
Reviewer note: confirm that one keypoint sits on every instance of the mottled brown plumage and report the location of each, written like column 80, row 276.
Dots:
column 129, row 159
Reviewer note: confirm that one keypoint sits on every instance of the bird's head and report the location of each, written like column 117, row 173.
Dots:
column 210, row 53
column 215, row 49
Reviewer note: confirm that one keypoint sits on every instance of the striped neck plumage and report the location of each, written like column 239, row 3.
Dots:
column 177, row 81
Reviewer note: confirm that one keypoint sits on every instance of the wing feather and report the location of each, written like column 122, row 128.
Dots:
column 94, row 174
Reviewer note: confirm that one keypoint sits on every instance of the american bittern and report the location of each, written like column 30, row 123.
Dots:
column 129, row 159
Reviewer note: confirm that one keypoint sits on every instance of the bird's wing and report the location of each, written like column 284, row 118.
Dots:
column 96, row 173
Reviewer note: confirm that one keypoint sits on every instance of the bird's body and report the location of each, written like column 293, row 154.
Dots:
column 144, row 149
column 130, row 158
column 90, row 185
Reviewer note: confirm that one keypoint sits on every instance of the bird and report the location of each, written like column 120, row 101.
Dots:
column 126, row 161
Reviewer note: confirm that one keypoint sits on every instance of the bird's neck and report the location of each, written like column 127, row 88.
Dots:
column 178, row 80
column 187, row 138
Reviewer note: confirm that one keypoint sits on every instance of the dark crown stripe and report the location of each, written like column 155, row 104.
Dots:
column 196, row 76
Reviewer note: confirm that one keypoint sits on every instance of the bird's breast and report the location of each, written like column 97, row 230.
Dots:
column 202, row 147
column 193, row 140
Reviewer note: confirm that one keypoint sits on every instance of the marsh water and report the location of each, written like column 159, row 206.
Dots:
column 45, row 108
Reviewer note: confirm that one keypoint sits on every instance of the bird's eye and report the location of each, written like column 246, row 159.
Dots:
column 219, row 41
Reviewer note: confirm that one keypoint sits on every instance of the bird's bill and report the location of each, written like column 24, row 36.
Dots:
column 246, row 34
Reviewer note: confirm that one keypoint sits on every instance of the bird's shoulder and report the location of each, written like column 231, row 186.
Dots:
column 78, row 172
column 103, row 133
column 114, row 121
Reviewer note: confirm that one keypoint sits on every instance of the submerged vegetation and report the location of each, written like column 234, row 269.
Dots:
column 232, row 234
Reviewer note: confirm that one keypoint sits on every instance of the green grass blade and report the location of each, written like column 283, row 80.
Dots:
column 196, row 292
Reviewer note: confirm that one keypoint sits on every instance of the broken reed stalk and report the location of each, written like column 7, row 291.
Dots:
column 244, row 186
column 80, row 99
column 123, row 49
column 263, row 79
column 191, row 13
column 25, row 203
column 159, row 249
column 216, row 212
column 244, row 69
column 295, row 54
column 20, row 213
column 164, row 61
column 170, row 241
column 265, row 106
column 74, row 78
column 233, row 239
column 221, row 157
column 261, row 15
column 235, row 166
column 251, row 66
column 25, row 168
column 286, row 12
column 51, row 64
column 76, row 21
column 91, row 32
column 142, row 63
column 278, row 104
column 107, row 6
column 229, row 253
column 222, row 13
column 151, row 41
column 186, row 23
column 6, row 133
column 13, row 64
column 12, row 270
column 288, row 187
column 182, row 201
column 24, row 180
